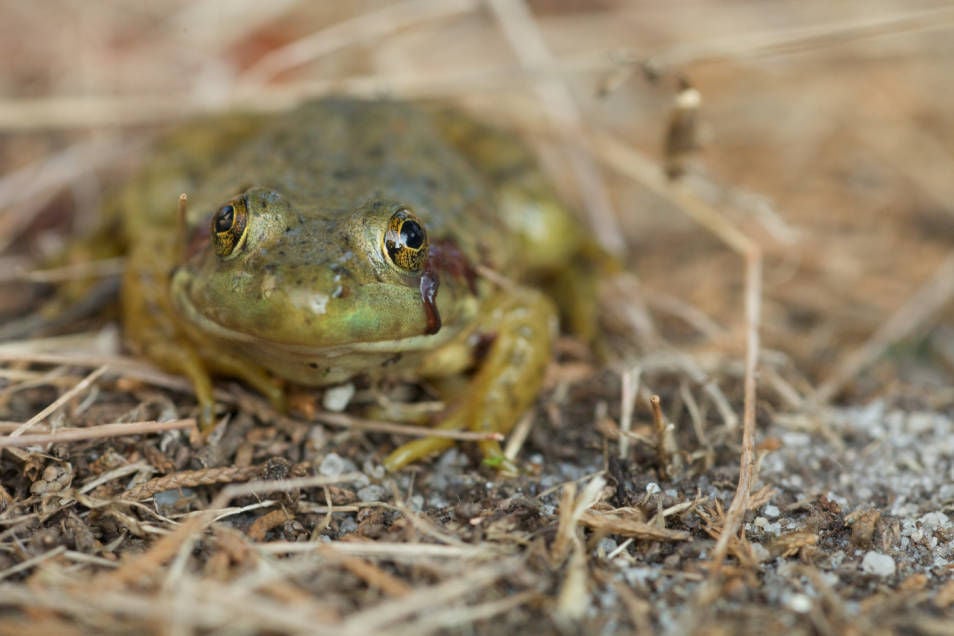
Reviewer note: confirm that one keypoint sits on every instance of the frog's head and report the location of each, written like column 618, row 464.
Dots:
column 268, row 271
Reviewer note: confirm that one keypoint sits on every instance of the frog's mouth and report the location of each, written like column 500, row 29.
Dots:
column 203, row 325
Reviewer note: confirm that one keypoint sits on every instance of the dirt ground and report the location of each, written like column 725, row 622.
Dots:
column 776, row 178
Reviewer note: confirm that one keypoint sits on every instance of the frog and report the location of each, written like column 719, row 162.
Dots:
column 345, row 238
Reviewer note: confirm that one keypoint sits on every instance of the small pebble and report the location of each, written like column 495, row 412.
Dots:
column 437, row 500
column 607, row 545
column 172, row 497
column 770, row 511
column 652, row 488
column 877, row 564
column 371, row 493
column 835, row 558
column 337, row 398
column 332, row 465
column 799, row 603
column 639, row 575
column 318, row 436
column 373, row 469
column 761, row 553
column 934, row 520
column 767, row 527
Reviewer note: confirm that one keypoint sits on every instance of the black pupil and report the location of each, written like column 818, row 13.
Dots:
column 223, row 219
column 412, row 234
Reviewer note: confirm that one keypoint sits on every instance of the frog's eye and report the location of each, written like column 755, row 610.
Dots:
column 406, row 241
column 229, row 227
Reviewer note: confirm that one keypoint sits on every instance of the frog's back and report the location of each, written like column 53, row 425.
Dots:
column 472, row 184
column 334, row 155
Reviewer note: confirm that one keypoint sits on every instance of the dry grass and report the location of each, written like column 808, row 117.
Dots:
column 780, row 196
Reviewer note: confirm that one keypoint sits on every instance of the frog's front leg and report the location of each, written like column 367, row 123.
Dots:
column 522, row 323
column 198, row 364
column 152, row 329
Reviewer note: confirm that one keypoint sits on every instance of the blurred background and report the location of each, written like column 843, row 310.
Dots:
column 825, row 133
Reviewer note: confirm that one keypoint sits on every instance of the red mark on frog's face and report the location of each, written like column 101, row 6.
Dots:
column 443, row 257
column 430, row 282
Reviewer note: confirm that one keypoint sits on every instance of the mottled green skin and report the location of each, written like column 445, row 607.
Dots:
column 312, row 296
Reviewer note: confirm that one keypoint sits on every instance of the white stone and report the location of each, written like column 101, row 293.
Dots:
column 337, row 398
column 934, row 520
column 878, row 564
column 761, row 553
column 766, row 526
column 373, row 469
column 799, row 603
column 371, row 493
column 607, row 545
column 331, row 466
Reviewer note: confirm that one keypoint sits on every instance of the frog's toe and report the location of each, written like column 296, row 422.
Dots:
column 205, row 418
column 278, row 398
column 495, row 458
column 503, row 466
column 421, row 449
column 413, row 451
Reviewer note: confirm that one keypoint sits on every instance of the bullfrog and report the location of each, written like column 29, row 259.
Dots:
column 346, row 238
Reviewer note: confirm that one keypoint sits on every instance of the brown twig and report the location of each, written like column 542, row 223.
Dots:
column 573, row 509
column 368, row 572
column 99, row 431
column 344, row 420
column 629, row 389
column 191, row 478
column 166, row 547
column 666, row 451
column 268, row 521
column 621, row 522
column 93, row 269
column 400, row 552
column 423, row 598
column 81, row 386
column 753, row 298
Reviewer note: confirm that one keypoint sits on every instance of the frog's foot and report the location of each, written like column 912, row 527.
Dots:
column 510, row 376
column 411, row 452
column 224, row 363
column 196, row 368
column 184, row 359
column 494, row 458
column 206, row 420
column 181, row 357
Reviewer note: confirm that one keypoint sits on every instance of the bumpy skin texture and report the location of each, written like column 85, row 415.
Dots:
column 344, row 238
